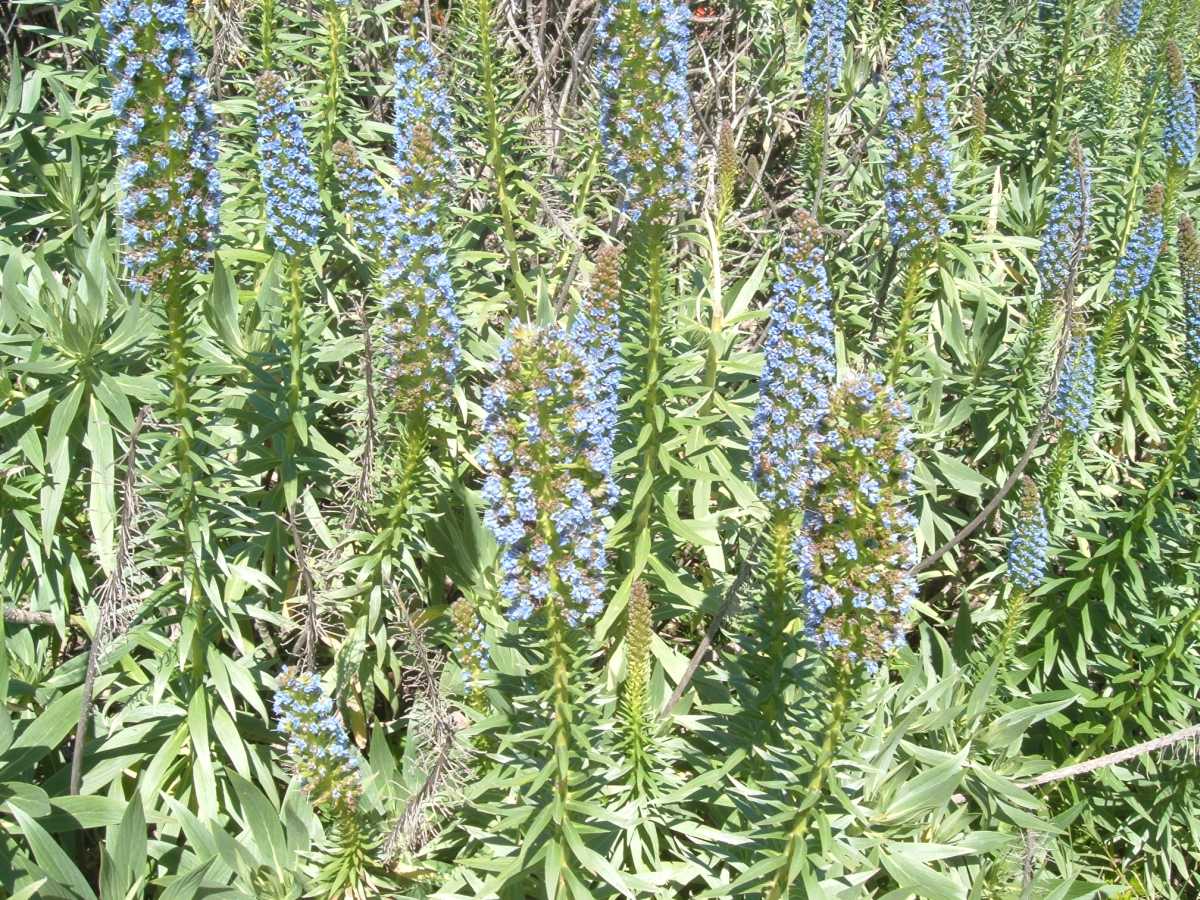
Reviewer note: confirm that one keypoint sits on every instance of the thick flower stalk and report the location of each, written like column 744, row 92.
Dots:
column 1179, row 132
column 547, row 461
column 1030, row 541
column 1064, row 236
column 1128, row 20
column 727, row 172
column 318, row 747
column 1077, row 387
column 918, row 190
column 470, row 644
column 645, row 122
column 166, row 143
column 422, row 114
column 1189, row 283
column 857, row 543
column 825, row 52
column 289, row 180
column 597, row 331
column 370, row 213
column 421, row 325
column 960, row 30
column 799, row 368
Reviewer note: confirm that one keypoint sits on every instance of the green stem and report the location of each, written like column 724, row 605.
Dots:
column 333, row 79
column 814, row 789
column 266, row 33
column 196, row 609
column 771, row 701
column 1060, row 82
column 1027, row 364
column 650, row 399
column 496, row 161
column 561, row 666
column 1063, row 454
column 1006, row 640
column 295, row 376
column 416, row 447
column 912, row 290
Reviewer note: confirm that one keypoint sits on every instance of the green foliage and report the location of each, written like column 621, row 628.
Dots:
column 203, row 486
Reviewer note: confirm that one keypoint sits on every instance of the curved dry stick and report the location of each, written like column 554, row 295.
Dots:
column 727, row 606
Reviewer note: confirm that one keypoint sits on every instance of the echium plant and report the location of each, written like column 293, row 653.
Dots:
column 857, row 543
column 855, row 552
column 960, row 31
column 1028, row 551
column 645, row 122
column 547, row 484
column 1064, row 235
column 371, row 214
column 289, row 181
column 293, row 210
column 799, row 368
column 169, row 208
column 471, row 647
column 1133, row 272
column 1077, row 387
column 825, row 51
column 421, row 328
column 1128, row 20
column 596, row 330
column 1072, row 409
column 1030, row 541
column 166, row 143
column 1189, row 282
column 547, row 460
column 918, row 190
column 1179, row 132
column 317, row 746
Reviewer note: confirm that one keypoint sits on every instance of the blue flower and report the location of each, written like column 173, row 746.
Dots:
column 1179, row 133
column 1067, row 225
column 960, row 28
column 166, row 142
column 1030, row 542
column 372, row 214
column 1135, row 268
column 285, row 167
column 1129, row 19
column 422, row 330
column 798, row 370
column 423, row 106
column 547, row 495
column 645, row 119
column 1077, row 387
column 596, row 330
column 918, row 190
column 825, row 52
column 318, row 747
column 474, row 656
column 856, row 543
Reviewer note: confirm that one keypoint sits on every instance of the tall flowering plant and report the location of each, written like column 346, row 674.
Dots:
column 1179, row 130
column 854, row 553
column 169, row 209
column 421, row 324
column 799, row 368
column 918, row 188
column 645, row 122
column 166, row 143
